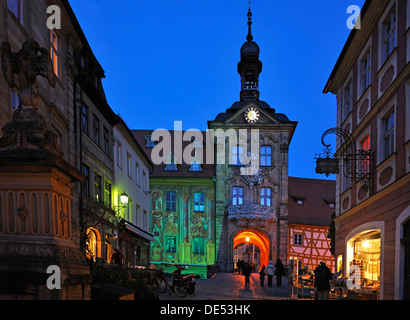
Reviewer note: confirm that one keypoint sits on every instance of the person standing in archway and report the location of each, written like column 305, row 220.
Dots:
column 270, row 271
column 246, row 270
column 279, row 272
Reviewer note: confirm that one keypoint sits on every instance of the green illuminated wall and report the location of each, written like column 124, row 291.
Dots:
column 183, row 226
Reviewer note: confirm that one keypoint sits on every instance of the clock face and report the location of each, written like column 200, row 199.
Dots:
column 251, row 115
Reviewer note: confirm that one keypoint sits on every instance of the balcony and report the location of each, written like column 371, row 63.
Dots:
column 251, row 215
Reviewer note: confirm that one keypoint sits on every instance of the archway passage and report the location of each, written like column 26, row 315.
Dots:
column 258, row 239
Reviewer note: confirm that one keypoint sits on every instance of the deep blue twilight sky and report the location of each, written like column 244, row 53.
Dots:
column 169, row 61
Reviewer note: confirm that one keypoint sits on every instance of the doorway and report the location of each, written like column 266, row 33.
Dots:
column 255, row 245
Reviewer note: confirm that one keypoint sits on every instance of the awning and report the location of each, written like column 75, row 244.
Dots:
column 138, row 231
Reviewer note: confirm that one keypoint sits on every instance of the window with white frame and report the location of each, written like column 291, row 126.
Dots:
column 119, row 154
column 347, row 100
column 129, row 165
column 389, row 33
column 265, row 156
column 137, row 173
column 106, row 137
column 199, row 201
column 144, row 181
column 388, row 134
column 365, row 71
column 266, row 197
column 96, row 129
column 84, row 118
column 237, row 196
column 237, row 155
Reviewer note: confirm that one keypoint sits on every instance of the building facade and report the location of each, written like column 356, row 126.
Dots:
column 40, row 173
column 372, row 87
column 59, row 198
column 182, row 204
column 131, row 170
column 251, row 205
column 311, row 206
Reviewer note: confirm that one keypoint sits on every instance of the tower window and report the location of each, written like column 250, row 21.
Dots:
column 266, row 156
column 266, row 197
column 237, row 196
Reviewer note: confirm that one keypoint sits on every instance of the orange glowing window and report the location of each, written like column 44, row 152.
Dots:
column 55, row 52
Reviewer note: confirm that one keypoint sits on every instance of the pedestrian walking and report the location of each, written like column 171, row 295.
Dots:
column 322, row 281
column 279, row 272
column 270, row 271
column 239, row 266
column 116, row 257
column 262, row 275
column 247, row 269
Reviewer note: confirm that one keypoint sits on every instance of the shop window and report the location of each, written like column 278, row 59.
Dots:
column 366, row 256
column 92, row 243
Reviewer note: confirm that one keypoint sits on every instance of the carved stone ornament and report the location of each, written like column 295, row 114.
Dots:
column 251, row 215
column 27, row 130
column 31, row 61
column 22, row 213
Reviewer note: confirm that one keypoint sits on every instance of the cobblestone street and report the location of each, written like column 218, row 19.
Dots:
column 229, row 286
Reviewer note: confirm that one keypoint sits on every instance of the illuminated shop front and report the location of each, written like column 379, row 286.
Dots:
column 364, row 263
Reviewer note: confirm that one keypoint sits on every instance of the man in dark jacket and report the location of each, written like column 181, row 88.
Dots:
column 247, row 269
column 322, row 281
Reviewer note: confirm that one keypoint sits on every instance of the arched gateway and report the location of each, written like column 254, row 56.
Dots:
column 257, row 238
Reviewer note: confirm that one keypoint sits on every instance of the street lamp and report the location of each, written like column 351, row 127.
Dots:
column 124, row 199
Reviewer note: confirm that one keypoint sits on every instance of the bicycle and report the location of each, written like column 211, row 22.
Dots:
column 178, row 284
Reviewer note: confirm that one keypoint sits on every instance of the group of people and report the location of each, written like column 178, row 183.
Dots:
column 323, row 275
column 245, row 267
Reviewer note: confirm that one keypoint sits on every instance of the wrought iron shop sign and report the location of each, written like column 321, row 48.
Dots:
column 356, row 164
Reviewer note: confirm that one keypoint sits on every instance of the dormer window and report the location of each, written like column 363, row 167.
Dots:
column 148, row 142
column 195, row 166
column 171, row 164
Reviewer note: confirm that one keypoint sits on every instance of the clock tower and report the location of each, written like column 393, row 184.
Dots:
column 251, row 207
column 250, row 66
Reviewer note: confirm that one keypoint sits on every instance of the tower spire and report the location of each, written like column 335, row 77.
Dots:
column 249, row 37
column 249, row 67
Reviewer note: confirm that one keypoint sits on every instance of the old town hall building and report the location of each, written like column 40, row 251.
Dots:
column 229, row 200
